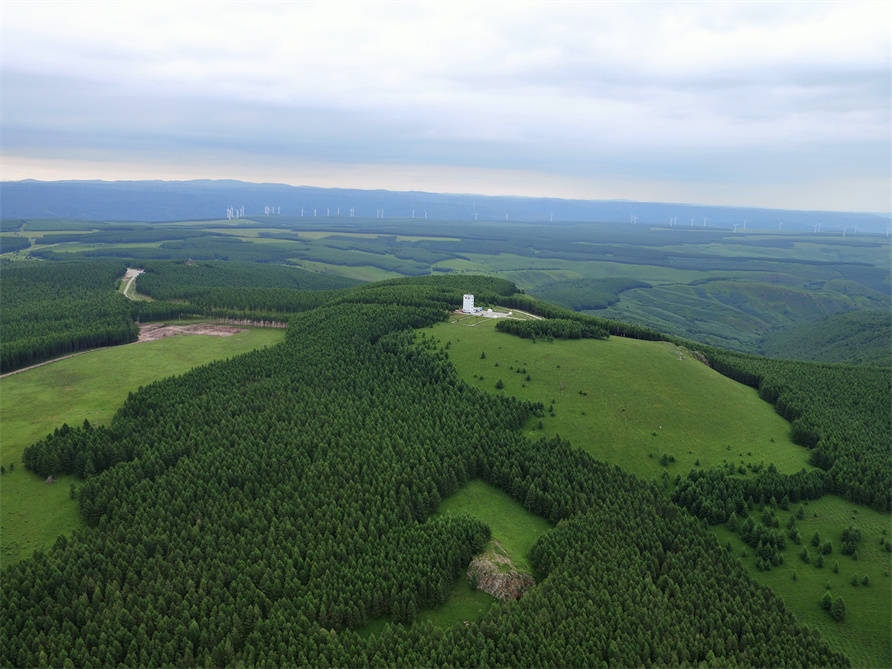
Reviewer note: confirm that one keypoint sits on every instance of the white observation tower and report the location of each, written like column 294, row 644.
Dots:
column 467, row 303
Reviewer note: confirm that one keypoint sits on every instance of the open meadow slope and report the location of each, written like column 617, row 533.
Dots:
column 91, row 387
column 633, row 403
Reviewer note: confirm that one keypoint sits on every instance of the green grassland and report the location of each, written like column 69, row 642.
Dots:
column 515, row 528
column 625, row 400
column 869, row 249
column 864, row 634
column 78, row 247
column 89, row 386
column 512, row 525
column 526, row 279
column 629, row 402
column 361, row 272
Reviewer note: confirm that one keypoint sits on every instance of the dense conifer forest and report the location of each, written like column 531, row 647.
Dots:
column 48, row 310
column 259, row 510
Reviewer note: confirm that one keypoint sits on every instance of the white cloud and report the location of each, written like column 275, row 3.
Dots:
column 557, row 87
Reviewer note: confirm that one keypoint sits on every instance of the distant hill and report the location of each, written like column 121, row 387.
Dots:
column 854, row 337
column 181, row 200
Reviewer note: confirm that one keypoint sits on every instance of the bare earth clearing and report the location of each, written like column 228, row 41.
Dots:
column 155, row 331
column 494, row 573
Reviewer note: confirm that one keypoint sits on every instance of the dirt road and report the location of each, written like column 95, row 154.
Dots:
column 131, row 274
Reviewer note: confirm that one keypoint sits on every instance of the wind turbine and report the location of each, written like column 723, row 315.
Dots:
column 314, row 213
column 735, row 227
column 327, row 211
column 634, row 219
column 551, row 220
column 844, row 231
column 301, row 211
column 704, row 222
column 744, row 224
column 475, row 215
column 413, row 213
column 425, row 214
column 780, row 226
column 506, row 216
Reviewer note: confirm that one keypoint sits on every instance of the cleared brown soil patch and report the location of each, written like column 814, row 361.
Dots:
column 155, row 331
column 495, row 574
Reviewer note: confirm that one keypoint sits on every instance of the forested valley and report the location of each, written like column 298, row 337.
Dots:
column 261, row 510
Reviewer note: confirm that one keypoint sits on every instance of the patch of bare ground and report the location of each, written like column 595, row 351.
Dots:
column 155, row 331
column 495, row 574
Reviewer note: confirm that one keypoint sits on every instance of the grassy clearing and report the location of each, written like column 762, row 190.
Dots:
column 322, row 234
column 864, row 635
column 625, row 400
column 512, row 525
column 461, row 266
column 652, row 397
column 361, row 273
column 92, row 386
column 247, row 233
column 522, row 269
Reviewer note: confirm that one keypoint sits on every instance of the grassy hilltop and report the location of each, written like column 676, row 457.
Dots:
column 632, row 402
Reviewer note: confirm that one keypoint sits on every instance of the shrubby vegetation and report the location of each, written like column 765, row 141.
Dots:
column 258, row 510
column 585, row 294
column 854, row 337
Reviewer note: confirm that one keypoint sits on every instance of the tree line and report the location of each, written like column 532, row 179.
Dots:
column 49, row 309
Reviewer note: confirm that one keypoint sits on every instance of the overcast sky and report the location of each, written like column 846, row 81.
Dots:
column 759, row 103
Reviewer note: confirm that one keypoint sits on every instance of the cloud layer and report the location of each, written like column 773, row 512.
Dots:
column 765, row 104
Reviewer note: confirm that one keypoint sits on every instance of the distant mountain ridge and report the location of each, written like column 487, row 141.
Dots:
column 154, row 201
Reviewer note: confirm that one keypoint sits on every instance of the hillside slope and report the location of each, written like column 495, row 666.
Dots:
column 858, row 338
column 258, row 510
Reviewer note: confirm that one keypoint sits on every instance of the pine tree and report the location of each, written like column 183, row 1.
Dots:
column 838, row 610
column 732, row 522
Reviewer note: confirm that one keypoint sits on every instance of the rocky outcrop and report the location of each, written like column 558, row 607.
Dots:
column 495, row 574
